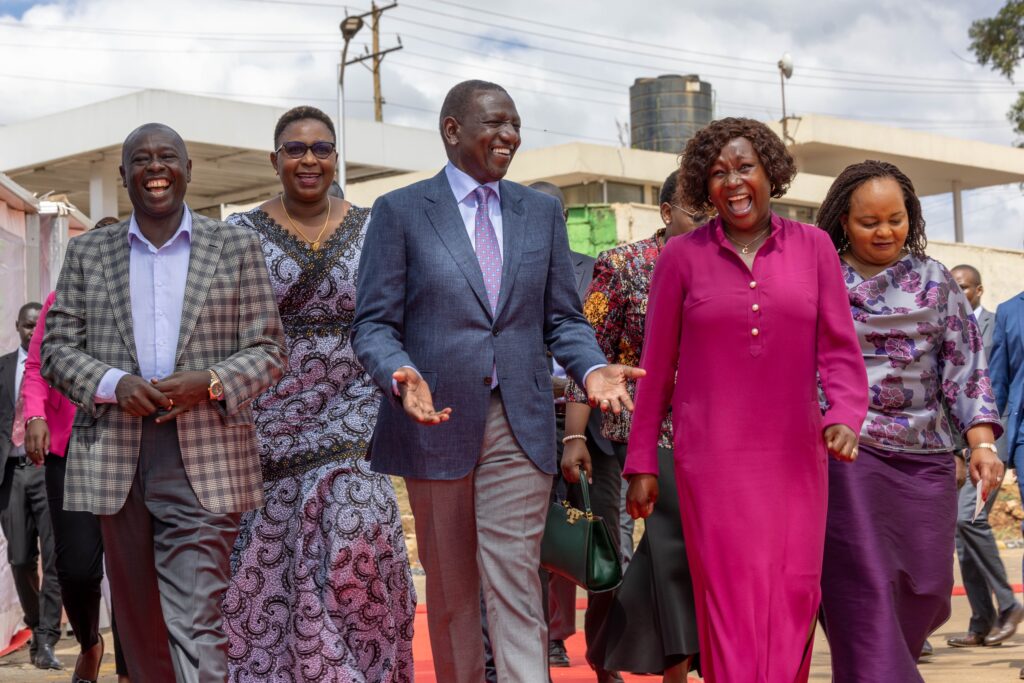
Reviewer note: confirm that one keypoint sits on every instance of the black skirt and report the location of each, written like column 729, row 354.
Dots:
column 652, row 624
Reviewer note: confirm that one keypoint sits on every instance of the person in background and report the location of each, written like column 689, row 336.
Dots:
column 164, row 331
column 1007, row 367
column 465, row 282
column 25, row 517
column 887, row 577
column 657, row 580
column 320, row 579
column 604, row 495
column 747, row 312
column 77, row 540
column 980, row 566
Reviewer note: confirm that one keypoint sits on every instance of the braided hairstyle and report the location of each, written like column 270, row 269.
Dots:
column 703, row 150
column 837, row 204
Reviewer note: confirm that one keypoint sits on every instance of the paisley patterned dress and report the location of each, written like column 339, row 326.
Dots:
column 321, row 588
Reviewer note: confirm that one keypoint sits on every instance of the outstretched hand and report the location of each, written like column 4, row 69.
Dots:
column 416, row 398
column 606, row 387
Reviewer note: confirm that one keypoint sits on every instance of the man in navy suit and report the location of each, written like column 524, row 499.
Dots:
column 1006, row 368
column 465, row 281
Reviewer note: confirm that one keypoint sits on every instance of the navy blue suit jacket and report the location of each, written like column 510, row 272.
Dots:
column 1006, row 367
column 421, row 301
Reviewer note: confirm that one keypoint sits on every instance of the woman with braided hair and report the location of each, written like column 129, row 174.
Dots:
column 887, row 576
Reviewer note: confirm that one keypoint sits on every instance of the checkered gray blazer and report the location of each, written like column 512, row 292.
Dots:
column 229, row 322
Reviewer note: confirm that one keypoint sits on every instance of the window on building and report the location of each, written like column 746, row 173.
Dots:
column 803, row 214
column 623, row 193
column 578, row 195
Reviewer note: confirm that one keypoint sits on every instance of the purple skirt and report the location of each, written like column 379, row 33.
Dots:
column 888, row 573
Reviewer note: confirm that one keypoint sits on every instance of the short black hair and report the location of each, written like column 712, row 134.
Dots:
column 837, row 203
column 703, row 150
column 30, row 306
column 302, row 113
column 970, row 269
column 669, row 188
column 456, row 102
column 129, row 142
column 550, row 189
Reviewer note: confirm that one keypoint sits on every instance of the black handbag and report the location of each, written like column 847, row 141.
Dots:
column 578, row 545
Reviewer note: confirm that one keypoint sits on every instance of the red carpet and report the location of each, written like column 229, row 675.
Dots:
column 579, row 672
column 19, row 640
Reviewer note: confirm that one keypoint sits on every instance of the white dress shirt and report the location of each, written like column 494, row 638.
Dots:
column 157, row 289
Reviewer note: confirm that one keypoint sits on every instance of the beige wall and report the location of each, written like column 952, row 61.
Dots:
column 1002, row 270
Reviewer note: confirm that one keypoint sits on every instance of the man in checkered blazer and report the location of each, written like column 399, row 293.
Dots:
column 164, row 330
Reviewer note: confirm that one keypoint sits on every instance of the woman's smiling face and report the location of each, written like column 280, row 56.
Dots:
column 739, row 188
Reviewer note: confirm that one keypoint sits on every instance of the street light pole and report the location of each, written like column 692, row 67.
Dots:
column 785, row 71
column 349, row 28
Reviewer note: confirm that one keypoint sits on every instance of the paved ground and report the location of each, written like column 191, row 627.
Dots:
column 974, row 665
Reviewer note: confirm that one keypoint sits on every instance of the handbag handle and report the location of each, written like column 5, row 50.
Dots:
column 585, row 488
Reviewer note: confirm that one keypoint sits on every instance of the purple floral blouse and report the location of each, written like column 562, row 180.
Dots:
column 923, row 353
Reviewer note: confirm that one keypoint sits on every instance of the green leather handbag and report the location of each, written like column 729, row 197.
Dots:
column 578, row 545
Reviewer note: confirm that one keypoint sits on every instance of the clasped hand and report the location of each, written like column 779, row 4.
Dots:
column 175, row 394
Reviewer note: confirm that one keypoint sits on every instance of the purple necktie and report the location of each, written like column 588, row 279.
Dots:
column 487, row 251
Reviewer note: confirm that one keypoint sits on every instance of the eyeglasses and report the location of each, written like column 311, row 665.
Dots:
column 296, row 150
column 698, row 217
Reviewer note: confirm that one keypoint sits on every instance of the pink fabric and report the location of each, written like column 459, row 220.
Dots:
column 748, row 429
column 42, row 399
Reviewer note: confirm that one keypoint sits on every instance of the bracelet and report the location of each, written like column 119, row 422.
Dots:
column 30, row 420
column 989, row 446
column 569, row 437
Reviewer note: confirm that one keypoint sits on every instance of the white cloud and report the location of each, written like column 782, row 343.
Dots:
column 273, row 51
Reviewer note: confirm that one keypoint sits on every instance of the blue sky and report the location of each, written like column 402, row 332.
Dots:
column 568, row 64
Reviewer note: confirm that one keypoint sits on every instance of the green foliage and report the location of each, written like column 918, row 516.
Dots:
column 998, row 43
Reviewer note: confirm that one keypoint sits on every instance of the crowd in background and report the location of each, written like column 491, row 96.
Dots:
column 210, row 413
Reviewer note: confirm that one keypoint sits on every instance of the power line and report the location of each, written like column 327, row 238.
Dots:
column 701, row 53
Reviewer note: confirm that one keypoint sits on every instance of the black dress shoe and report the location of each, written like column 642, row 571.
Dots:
column 1007, row 627
column 926, row 651
column 557, row 656
column 45, row 659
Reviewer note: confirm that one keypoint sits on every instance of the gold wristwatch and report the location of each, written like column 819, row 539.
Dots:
column 216, row 387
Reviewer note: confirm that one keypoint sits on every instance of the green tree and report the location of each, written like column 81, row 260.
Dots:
column 998, row 43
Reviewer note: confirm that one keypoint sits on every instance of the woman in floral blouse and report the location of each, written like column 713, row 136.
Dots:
column 657, row 581
column 887, row 573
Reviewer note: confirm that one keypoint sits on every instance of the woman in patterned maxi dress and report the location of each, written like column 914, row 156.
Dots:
column 321, row 587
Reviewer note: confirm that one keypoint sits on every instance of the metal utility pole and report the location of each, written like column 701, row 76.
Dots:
column 349, row 27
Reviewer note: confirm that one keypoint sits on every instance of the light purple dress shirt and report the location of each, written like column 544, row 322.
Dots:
column 157, row 288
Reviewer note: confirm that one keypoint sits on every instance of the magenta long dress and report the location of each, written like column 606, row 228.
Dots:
column 751, row 463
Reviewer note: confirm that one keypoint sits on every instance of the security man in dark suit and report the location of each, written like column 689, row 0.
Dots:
column 26, row 516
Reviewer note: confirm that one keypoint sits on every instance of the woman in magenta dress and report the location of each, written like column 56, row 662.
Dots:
column 749, row 310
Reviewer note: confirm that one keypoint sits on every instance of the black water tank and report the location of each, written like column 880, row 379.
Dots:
column 666, row 111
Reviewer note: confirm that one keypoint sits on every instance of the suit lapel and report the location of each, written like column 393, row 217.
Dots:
column 116, row 260
column 8, row 364
column 582, row 277
column 513, row 228
column 444, row 215
column 204, row 256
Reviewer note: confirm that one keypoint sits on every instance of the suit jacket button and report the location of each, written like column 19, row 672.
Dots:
column 495, row 332
column 487, row 380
